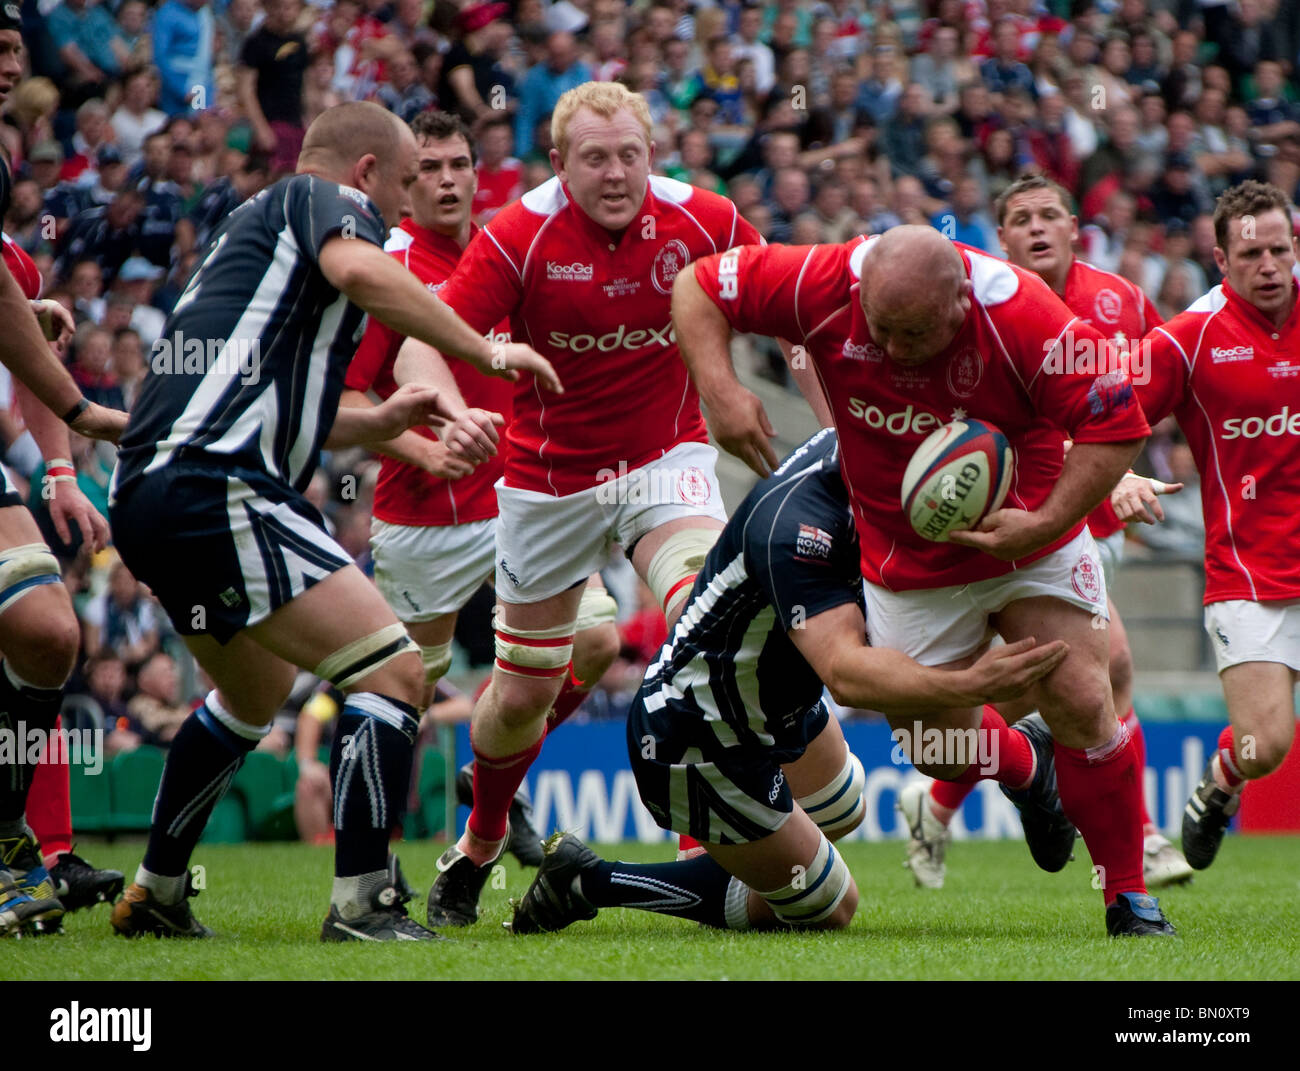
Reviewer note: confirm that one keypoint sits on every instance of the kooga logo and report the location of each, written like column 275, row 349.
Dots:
column 573, row 273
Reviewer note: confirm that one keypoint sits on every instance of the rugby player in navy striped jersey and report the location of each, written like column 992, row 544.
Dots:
column 208, row 509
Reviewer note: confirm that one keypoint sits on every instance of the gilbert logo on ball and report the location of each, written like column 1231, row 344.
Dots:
column 957, row 477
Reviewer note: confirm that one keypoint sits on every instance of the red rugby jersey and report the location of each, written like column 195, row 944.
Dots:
column 598, row 308
column 996, row 369
column 498, row 188
column 1123, row 313
column 1232, row 379
column 404, row 493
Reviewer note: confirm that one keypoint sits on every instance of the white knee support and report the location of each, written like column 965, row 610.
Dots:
column 350, row 663
column 674, row 566
column 539, row 652
column 23, row 568
column 814, row 893
column 839, row 806
column 437, row 660
column 596, row 608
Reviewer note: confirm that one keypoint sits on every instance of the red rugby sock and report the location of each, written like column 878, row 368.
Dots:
column 49, row 804
column 496, row 780
column 1101, row 792
column 1229, row 769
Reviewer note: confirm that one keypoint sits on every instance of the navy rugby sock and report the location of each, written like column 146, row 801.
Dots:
column 27, row 715
column 370, row 769
column 694, row 889
column 204, row 757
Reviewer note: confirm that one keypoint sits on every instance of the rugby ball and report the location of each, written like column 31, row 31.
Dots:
column 956, row 478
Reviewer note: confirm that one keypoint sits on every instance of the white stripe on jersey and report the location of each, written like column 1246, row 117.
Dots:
column 199, row 411
column 301, row 455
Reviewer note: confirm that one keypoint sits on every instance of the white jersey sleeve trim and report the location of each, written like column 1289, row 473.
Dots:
column 398, row 240
column 993, row 280
column 546, row 199
column 1211, row 302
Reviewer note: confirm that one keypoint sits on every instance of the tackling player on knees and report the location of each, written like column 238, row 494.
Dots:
column 730, row 740
column 207, row 509
column 583, row 265
column 433, row 538
column 1226, row 369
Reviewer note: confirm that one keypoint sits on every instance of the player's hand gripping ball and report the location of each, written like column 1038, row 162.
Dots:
column 956, row 478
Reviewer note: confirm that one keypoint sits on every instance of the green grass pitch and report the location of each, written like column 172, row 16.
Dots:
column 998, row 918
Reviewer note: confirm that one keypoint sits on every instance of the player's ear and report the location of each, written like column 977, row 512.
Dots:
column 1074, row 228
column 1221, row 260
column 365, row 172
column 557, row 165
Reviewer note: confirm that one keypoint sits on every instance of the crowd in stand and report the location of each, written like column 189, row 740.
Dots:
column 142, row 126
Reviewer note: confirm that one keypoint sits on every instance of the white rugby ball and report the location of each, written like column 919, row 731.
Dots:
column 956, row 478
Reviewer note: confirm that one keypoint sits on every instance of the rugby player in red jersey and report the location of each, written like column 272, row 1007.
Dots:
column 1229, row 369
column 906, row 332
column 1037, row 232
column 434, row 528
column 583, row 266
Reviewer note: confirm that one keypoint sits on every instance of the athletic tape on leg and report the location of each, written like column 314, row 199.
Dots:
column 677, row 562
column 840, row 805
column 23, row 568
column 539, row 652
column 596, row 608
column 354, row 661
column 814, row 893
column 437, row 660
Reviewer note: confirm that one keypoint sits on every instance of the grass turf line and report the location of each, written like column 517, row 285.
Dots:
column 997, row 918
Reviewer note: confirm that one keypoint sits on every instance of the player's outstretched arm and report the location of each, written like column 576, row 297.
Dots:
column 23, row 350
column 735, row 415
column 379, row 284
column 472, row 435
column 404, row 408
column 878, row 678
column 429, row 455
column 1091, row 471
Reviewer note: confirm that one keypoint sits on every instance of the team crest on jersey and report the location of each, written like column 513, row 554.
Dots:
column 965, row 371
column 812, row 544
column 693, row 486
column 1107, row 306
column 670, row 260
column 1085, row 577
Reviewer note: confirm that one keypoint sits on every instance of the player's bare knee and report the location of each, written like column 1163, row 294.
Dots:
column 521, row 701
column 46, row 654
column 401, row 679
column 594, row 651
column 1261, row 751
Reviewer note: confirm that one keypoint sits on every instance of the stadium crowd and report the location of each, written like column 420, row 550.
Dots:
column 141, row 126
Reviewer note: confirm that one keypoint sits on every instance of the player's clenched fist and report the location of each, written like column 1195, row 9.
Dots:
column 408, row 407
column 511, row 358
column 473, row 435
column 741, row 427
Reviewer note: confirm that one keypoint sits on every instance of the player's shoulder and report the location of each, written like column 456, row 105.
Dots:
column 1190, row 325
column 399, row 241
column 811, row 471
column 699, row 202
column 996, row 283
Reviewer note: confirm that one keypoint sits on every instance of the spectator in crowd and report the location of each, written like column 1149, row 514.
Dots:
column 838, row 221
column 122, row 620
column 903, row 138
column 1222, row 157
column 404, row 94
column 318, row 92
column 92, row 365
column 106, row 686
column 86, row 290
column 882, row 83
column 156, row 707
column 749, row 46
column 1003, row 70
column 1176, row 197
column 164, row 198
column 32, row 108
column 88, row 43
column 789, row 198
column 873, row 217
column 475, row 83
column 24, row 223
column 93, row 132
column 543, row 85
column 236, row 23
column 195, row 229
column 1182, row 85
column 965, row 220
column 272, row 66
column 128, row 363
column 183, row 33
column 135, row 284
column 106, row 234
column 943, row 70
column 136, row 117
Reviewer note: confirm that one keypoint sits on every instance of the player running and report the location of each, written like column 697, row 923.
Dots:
column 433, row 537
column 908, row 331
column 583, row 265
column 1037, row 233
column 39, row 634
column 730, row 739
column 207, row 508
column 1229, row 370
